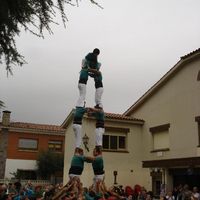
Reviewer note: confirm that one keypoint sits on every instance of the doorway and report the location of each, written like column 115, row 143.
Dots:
column 156, row 183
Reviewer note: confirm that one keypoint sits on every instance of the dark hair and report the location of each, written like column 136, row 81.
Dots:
column 92, row 193
column 96, row 51
column 78, row 150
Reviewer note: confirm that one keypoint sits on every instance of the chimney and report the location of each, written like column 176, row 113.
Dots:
column 6, row 118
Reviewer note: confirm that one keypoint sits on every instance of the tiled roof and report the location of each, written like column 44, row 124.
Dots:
column 111, row 116
column 121, row 117
column 43, row 127
column 189, row 54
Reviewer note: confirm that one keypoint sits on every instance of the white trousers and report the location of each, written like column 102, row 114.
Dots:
column 77, row 128
column 99, row 136
column 82, row 94
column 96, row 180
column 98, row 95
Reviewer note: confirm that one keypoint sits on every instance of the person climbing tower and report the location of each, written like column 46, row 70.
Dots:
column 98, row 167
column 77, row 125
column 99, row 130
column 77, row 163
column 90, row 67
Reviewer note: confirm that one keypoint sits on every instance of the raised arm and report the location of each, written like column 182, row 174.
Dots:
column 89, row 159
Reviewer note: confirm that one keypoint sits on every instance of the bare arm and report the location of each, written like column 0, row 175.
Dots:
column 93, row 110
column 89, row 159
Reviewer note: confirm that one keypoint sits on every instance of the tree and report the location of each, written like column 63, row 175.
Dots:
column 48, row 163
column 17, row 14
column 2, row 104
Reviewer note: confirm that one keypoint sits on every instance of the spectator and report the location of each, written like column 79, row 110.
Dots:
column 3, row 190
column 169, row 196
column 186, row 193
column 195, row 194
column 128, row 191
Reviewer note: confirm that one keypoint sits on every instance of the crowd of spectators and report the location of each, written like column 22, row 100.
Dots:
column 71, row 191
column 182, row 192
column 17, row 191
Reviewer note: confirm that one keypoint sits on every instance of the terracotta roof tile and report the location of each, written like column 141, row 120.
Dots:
column 121, row 117
column 44, row 127
column 189, row 54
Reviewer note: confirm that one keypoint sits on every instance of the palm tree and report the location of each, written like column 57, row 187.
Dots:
column 1, row 104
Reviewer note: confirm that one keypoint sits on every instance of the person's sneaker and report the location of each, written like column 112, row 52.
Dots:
column 98, row 148
column 98, row 107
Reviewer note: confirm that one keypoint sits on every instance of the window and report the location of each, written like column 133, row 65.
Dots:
column 122, row 142
column 115, row 139
column 114, row 142
column 197, row 119
column 29, row 144
column 160, row 136
column 55, row 145
column 161, row 140
column 198, row 76
column 199, row 132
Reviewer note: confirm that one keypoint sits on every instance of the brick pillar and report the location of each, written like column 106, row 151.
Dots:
column 3, row 151
column 6, row 118
column 4, row 142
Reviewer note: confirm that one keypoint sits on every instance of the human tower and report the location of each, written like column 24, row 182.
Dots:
column 90, row 69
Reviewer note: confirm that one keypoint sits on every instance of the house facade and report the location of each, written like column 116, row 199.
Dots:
column 160, row 134
column 21, row 142
column 121, row 148
column 171, row 132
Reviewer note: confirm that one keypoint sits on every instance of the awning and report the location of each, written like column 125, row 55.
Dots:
column 175, row 162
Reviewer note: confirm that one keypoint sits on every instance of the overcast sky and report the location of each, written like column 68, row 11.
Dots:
column 140, row 40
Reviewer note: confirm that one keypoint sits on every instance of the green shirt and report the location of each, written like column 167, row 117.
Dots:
column 91, row 60
column 77, row 164
column 99, row 119
column 98, row 165
column 78, row 115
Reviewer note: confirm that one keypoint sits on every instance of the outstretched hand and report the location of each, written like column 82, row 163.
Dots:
column 91, row 111
column 95, row 71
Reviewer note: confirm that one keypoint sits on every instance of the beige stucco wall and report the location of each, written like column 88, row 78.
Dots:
column 177, row 103
column 127, row 164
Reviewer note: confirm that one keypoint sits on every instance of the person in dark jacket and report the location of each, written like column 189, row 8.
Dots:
column 90, row 67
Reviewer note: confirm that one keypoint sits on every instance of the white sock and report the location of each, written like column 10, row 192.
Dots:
column 99, row 136
column 77, row 133
column 82, row 95
column 98, row 95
